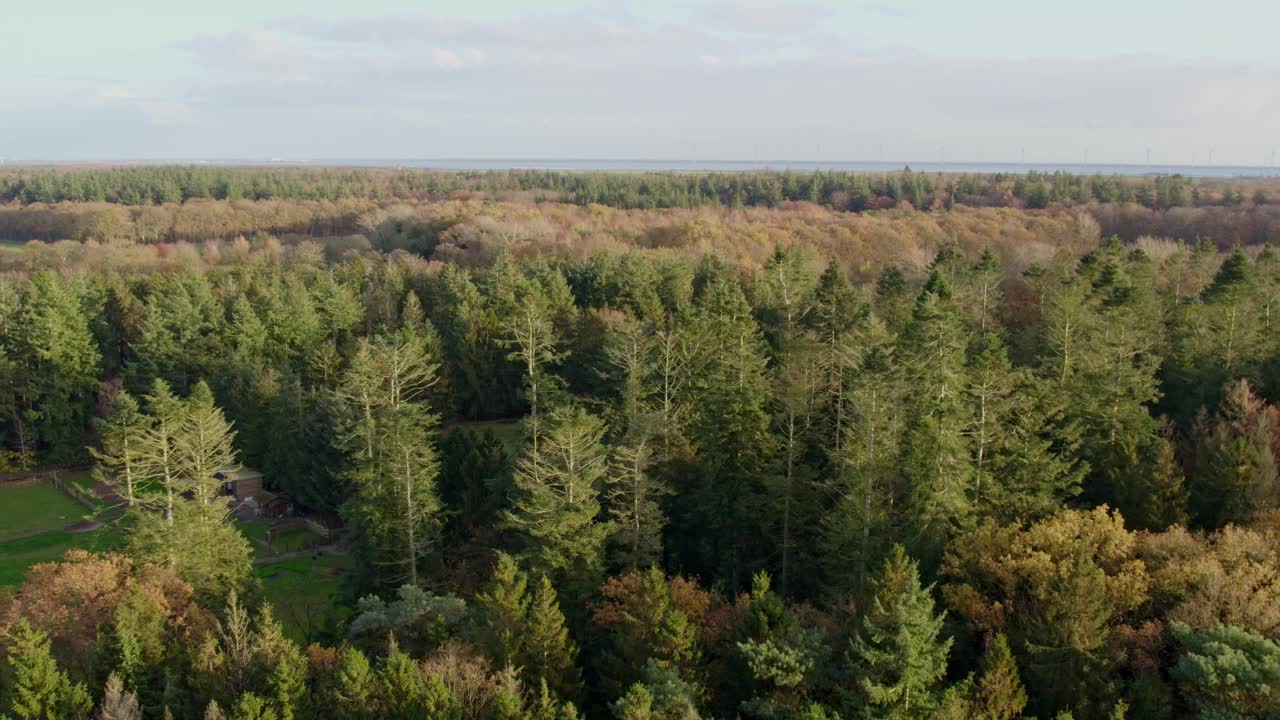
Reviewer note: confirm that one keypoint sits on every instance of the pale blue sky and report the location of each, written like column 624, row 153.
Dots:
column 852, row 80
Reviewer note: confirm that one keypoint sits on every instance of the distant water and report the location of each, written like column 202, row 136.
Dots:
column 1212, row 171
column 656, row 165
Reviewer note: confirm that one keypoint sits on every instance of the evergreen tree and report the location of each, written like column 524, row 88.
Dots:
column 60, row 363
column 117, row 702
column 998, row 693
column 393, row 465
column 504, row 608
column 356, row 689
column 119, row 463
column 1228, row 672
column 1236, row 474
column 731, row 431
column 856, row 534
column 935, row 462
column 34, row 688
column 897, row 658
column 632, row 496
column 547, row 654
column 204, row 445
column 557, row 501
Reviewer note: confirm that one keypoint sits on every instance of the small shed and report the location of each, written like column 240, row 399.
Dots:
column 240, row 481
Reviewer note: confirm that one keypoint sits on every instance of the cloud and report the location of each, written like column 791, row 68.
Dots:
column 610, row 83
column 766, row 18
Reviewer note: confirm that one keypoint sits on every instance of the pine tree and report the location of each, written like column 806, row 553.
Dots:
column 60, row 363
column 632, row 496
column 393, row 465
column 1228, row 671
column 356, row 688
column 557, row 500
column 998, row 693
column 547, row 654
column 935, row 462
column 34, row 688
column 855, row 536
column 897, row 658
column 1236, row 474
column 833, row 319
column 119, row 462
column 504, row 607
column 532, row 336
column 118, row 703
column 402, row 690
column 731, row 430
column 253, row 707
column 204, row 445
column 508, row 698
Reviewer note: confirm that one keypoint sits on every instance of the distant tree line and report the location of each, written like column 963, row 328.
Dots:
column 853, row 191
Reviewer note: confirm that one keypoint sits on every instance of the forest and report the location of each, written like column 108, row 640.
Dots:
column 650, row 459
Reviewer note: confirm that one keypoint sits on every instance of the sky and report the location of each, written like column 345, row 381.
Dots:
column 1107, row 81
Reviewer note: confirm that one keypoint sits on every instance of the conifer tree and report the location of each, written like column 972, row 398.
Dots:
column 1236, row 474
column 935, row 463
column 119, row 462
column 859, row 529
column 118, row 703
column 34, row 688
column 508, row 698
column 1228, row 671
column 504, row 607
column 832, row 319
column 632, row 496
column 897, row 657
column 557, row 501
column 402, row 690
column 731, row 431
column 393, row 466
column 356, row 689
column 60, row 363
column 998, row 693
column 204, row 445
column 548, row 655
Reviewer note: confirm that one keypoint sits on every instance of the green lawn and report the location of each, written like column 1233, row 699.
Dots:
column 302, row 591
column 291, row 540
column 510, row 432
column 36, row 507
column 283, row 541
column 83, row 479
column 18, row 555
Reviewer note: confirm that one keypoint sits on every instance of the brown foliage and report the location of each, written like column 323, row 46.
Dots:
column 72, row 600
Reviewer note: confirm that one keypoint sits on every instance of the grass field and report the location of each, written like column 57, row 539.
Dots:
column 83, row 479
column 508, row 431
column 18, row 555
column 36, row 507
column 302, row 590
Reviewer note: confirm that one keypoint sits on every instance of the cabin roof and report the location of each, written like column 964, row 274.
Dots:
column 237, row 473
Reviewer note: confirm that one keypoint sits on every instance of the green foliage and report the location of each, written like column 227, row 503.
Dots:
column 556, row 507
column 547, row 654
column 34, row 688
column 897, row 659
column 419, row 620
column 1228, row 672
column 393, row 466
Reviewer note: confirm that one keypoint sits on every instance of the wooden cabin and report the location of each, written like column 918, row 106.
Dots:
column 240, row 482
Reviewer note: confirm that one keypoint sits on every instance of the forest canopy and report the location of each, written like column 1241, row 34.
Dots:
column 786, row 461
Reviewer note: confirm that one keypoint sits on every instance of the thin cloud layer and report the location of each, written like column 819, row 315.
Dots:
column 746, row 80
